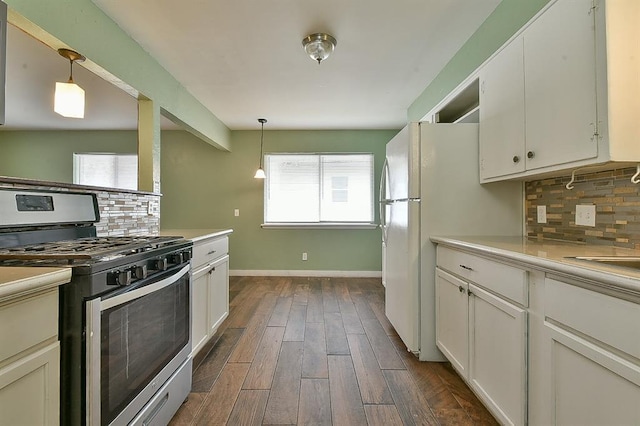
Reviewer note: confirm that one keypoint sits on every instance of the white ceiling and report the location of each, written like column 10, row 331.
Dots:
column 243, row 59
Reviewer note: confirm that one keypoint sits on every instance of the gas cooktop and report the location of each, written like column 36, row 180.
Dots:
column 93, row 248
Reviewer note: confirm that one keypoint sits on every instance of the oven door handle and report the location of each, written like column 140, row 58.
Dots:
column 143, row 291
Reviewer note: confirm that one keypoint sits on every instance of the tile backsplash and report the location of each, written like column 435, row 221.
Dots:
column 121, row 212
column 617, row 202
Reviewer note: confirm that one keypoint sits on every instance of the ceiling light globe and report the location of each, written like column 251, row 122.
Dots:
column 319, row 46
column 69, row 100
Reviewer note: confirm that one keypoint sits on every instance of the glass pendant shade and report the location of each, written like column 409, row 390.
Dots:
column 69, row 100
column 260, row 174
column 319, row 46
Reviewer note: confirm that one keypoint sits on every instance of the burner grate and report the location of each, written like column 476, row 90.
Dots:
column 87, row 248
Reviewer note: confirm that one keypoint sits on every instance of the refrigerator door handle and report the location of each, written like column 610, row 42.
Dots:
column 383, row 201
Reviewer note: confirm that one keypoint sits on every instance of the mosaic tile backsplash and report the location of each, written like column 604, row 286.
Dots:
column 121, row 213
column 617, row 202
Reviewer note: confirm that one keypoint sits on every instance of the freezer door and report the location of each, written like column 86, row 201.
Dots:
column 401, row 271
column 402, row 159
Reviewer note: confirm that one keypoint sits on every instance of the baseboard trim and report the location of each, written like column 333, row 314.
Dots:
column 303, row 273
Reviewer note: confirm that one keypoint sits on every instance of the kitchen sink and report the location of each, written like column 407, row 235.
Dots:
column 632, row 262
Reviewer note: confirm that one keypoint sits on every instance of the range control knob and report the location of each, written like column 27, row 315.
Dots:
column 186, row 255
column 121, row 278
column 160, row 264
column 175, row 258
column 139, row 272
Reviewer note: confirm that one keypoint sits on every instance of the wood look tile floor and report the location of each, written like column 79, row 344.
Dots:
column 297, row 350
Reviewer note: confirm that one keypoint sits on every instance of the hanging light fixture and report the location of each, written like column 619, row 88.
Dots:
column 69, row 97
column 260, row 172
column 319, row 46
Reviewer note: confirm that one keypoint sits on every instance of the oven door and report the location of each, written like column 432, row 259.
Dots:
column 136, row 339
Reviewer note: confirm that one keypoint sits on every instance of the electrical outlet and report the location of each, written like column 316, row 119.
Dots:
column 236, row 212
column 586, row 215
column 152, row 208
column 542, row 214
column 304, row 256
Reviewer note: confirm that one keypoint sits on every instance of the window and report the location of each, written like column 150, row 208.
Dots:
column 108, row 170
column 319, row 188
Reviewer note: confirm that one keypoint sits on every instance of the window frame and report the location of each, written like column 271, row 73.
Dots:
column 76, row 172
column 320, row 224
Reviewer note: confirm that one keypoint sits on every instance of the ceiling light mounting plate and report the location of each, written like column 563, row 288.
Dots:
column 71, row 55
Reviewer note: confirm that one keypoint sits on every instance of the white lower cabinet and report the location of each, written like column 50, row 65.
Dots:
column 210, row 289
column 452, row 320
column 29, row 389
column 485, row 339
column 30, row 360
column 594, row 371
column 498, row 354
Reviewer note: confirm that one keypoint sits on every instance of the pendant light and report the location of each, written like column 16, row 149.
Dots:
column 319, row 46
column 260, row 172
column 69, row 97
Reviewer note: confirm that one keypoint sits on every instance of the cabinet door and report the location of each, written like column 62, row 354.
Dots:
column 218, row 293
column 199, row 308
column 560, row 85
column 591, row 386
column 502, row 144
column 452, row 335
column 30, row 389
column 497, row 354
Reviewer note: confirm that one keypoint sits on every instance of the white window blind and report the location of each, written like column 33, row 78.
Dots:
column 316, row 188
column 108, row 170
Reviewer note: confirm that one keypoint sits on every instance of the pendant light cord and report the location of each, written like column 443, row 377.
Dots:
column 261, row 141
column 261, row 121
column 70, row 71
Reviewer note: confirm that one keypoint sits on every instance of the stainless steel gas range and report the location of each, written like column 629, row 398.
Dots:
column 124, row 321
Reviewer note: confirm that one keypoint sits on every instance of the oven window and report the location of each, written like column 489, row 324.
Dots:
column 138, row 338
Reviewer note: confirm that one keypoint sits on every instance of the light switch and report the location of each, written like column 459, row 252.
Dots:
column 236, row 212
column 542, row 214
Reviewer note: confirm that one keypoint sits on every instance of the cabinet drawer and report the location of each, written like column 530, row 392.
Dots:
column 28, row 322
column 208, row 250
column 505, row 280
column 605, row 318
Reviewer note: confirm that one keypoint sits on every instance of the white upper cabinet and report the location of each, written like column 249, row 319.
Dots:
column 559, row 85
column 502, row 145
column 564, row 93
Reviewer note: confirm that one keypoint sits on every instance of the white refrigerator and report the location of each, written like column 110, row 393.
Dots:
column 430, row 186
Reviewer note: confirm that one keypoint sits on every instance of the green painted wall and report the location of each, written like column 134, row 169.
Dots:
column 84, row 27
column 202, row 186
column 48, row 155
column 508, row 17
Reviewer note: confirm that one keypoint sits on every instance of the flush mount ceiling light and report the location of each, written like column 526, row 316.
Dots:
column 319, row 46
column 69, row 97
column 260, row 172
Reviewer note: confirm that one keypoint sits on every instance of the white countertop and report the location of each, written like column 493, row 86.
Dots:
column 16, row 281
column 551, row 256
column 196, row 234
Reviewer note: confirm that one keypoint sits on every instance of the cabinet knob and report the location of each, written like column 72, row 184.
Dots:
column 469, row 293
column 516, row 159
column 530, row 154
column 461, row 289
